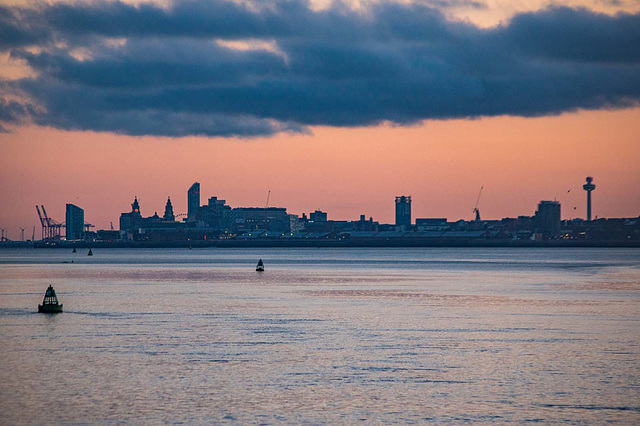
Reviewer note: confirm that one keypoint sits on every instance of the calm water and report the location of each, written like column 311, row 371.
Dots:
column 323, row 336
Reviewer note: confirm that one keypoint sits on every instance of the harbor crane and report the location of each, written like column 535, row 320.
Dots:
column 50, row 228
column 475, row 209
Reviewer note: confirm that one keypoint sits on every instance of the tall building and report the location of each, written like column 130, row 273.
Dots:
column 403, row 210
column 168, row 211
column 547, row 219
column 589, row 187
column 132, row 219
column 193, row 202
column 75, row 222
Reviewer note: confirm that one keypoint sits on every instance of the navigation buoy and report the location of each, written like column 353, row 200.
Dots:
column 50, row 303
column 90, row 253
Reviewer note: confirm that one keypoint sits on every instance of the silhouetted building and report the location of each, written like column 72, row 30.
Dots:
column 193, row 202
column 318, row 216
column 274, row 219
column 168, row 211
column 432, row 224
column 75, row 222
column 547, row 219
column 133, row 219
column 216, row 214
column 589, row 187
column 403, row 210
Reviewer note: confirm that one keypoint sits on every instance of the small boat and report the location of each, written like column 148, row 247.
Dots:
column 90, row 253
column 260, row 267
column 50, row 303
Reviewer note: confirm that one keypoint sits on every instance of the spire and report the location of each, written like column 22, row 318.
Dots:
column 168, row 211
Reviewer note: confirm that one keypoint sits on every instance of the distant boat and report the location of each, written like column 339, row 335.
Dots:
column 90, row 253
column 260, row 266
column 74, row 250
column 50, row 303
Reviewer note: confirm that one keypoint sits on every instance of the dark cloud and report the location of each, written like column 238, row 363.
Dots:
column 391, row 63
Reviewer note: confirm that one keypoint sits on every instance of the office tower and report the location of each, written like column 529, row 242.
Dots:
column 193, row 202
column 403, row 210
column 547, row 219
column 75, row 222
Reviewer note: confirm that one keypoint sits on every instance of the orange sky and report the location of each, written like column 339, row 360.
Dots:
column 346, row 172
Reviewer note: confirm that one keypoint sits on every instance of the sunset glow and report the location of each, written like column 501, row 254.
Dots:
column 296, row 117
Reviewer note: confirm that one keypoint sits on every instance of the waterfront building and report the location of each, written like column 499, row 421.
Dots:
column 547, row 219
column 403, row 211
column 132, row 219
column 318, row 216
column 74, row 222
column 168, row 211
column 193, row 202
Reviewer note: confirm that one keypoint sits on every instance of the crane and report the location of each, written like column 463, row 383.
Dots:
column 266, row 206
column 475, row 209
column 50, row 228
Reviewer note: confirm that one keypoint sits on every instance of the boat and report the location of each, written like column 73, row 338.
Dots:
column 90, row 253
column 260, row 266
column 50, row 303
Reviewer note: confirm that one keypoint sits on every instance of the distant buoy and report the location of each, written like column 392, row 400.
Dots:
column 260, row 266
column 90, row 253
column 74, row 250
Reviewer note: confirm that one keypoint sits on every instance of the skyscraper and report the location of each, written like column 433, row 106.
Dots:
column 547, row 219
column 75, row 222
column 193, row 202
column 403, row 210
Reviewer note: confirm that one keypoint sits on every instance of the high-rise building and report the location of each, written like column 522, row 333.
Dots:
column 547, row 219
column 168, row 211
column 403, row 210
column 75, row 222
column 193, row 202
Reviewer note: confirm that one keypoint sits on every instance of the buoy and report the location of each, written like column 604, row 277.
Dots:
column 260, row 266
column 90, row 253
column 50, row 303
column 74, row 250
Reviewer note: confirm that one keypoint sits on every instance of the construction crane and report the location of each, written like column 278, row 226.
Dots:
column 475, row 209
column 266, row 206
column 50, row 228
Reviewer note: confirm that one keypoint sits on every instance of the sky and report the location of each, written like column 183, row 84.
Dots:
column 338, row 106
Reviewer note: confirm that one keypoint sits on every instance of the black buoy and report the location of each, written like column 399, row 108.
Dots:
column 50, row 303
column 260, row 266
column 90, row 253
column 74, row 250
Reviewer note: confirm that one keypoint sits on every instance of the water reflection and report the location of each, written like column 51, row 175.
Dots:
column 323, row 336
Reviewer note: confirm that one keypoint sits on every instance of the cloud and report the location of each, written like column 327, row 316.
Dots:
column 147, row 70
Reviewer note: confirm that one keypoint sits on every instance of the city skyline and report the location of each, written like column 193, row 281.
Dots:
column 525, row 118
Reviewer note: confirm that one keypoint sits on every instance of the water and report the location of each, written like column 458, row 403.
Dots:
column 323, row 336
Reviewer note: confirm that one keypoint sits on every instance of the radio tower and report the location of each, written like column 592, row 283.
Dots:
column 589, row 187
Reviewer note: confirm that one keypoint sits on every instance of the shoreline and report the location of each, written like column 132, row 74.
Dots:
column 329, row 243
